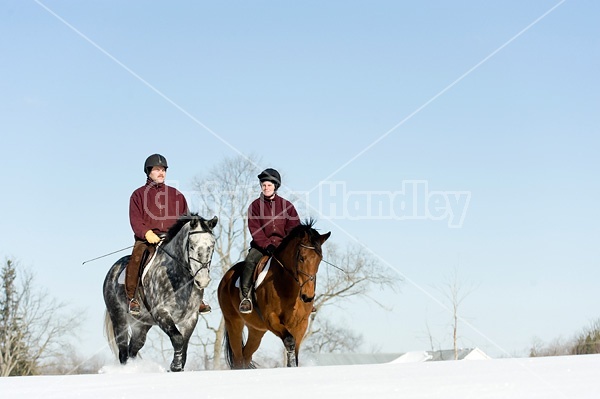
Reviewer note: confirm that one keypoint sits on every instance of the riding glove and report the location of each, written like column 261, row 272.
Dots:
column 151, row 237
column 270, row 249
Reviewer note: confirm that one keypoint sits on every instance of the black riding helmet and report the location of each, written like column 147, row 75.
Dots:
column 271, row 175
column 154, row 160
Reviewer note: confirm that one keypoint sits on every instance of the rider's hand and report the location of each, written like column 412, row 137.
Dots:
column 270, row 249
column 151, row 237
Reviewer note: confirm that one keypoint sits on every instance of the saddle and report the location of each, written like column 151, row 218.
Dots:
column 260, row 266
column 147, row 257
column 260, row 271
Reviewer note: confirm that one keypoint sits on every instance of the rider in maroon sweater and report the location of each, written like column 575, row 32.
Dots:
column 153, row 209
column 270, row 219
column 155, row 206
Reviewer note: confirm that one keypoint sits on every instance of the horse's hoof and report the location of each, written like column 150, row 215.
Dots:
column 176, row 367
column 291, row 359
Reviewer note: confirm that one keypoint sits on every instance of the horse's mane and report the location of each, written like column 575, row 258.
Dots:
column 193, row 218
column 299, row 231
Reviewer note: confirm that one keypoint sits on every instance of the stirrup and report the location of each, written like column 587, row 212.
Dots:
column 134, row 307
column 246, row 306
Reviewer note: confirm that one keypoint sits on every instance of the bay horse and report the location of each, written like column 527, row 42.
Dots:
column 171, row 290
column 282, row 302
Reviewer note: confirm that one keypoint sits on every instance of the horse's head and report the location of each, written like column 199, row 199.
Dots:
column 301, row 254
column 200, row 246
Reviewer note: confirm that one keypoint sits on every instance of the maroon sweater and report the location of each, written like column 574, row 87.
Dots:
column 155, row 207
column 270, row 220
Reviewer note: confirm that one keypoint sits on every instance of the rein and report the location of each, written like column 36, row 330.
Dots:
column 203, row 265
column 311, row 277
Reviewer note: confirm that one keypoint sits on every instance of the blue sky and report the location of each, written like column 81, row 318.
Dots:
column 496, row 99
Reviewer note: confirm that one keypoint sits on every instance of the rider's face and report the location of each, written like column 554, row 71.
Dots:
column 268, row 189
column 158, row 174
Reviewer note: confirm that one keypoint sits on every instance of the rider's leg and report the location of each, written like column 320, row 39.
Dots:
column 132, row 274
column 251, row 261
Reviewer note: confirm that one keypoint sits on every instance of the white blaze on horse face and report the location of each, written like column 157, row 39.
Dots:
column 201, row 251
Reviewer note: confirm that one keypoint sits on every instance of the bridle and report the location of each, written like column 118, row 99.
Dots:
column 311, row 277
column 203, row 265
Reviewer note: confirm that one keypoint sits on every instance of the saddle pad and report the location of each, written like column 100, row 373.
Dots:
column 260, row 277
column 121, row 279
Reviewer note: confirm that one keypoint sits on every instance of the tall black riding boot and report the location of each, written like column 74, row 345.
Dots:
column 246, row 287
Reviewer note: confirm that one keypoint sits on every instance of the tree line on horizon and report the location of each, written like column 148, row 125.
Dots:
column 585, row 342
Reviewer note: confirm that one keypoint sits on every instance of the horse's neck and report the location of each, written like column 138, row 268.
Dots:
column 289, row 260
column 170, row 259
column 285, row 271
column 172, row 252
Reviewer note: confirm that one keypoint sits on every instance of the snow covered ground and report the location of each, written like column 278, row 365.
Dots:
column 527, row 378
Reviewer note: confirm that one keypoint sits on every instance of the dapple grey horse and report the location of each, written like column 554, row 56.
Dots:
column 171, row 291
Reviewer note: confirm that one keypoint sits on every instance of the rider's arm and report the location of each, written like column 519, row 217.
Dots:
column 136, row 215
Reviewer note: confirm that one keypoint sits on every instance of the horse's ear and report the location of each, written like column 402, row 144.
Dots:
column 212, row 222
column 324, row 237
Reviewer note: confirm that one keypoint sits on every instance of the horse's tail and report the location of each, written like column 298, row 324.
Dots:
column 228, row 351
column 109, row 333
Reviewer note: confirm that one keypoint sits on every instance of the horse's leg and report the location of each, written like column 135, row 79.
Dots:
column 254, row 338
column 291, row 350
column 121, row 332
column 298, row 340
column 121, row 335
column 166, row 323
column 139, row 331
column 186, row 331
column 292, row 345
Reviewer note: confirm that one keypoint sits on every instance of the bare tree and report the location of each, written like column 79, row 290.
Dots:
column 32, row 328
column 587, row 341
column 68, row 361
column 455, row 292
column 432, row 341
column 557, row 347
column 332, row 337
column 351, row 273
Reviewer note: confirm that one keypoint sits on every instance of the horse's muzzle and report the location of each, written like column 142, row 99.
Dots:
column 202, row 281
column 306, row 298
